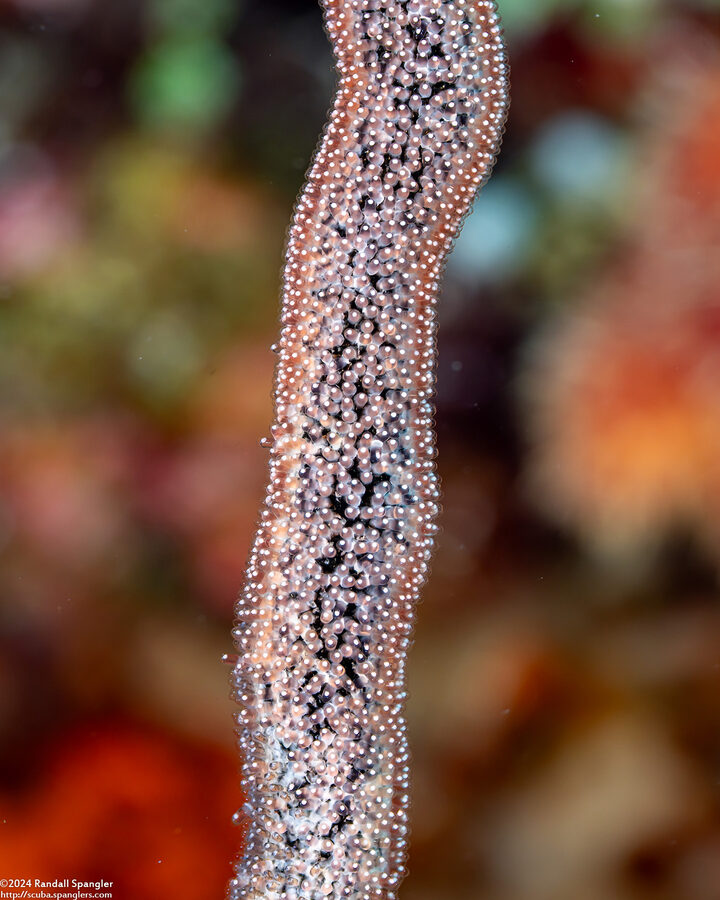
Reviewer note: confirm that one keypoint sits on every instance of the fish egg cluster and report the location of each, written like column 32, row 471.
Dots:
column 346, row 531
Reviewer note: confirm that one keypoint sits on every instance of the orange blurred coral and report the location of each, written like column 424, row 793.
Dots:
column 131, row 806
column 624, row 406
column 627, row 424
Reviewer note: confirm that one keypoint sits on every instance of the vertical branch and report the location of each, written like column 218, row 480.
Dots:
column 324, row 620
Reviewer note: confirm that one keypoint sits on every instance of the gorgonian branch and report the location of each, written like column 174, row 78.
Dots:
column 347, row 527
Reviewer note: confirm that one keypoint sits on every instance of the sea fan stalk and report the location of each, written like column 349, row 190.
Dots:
column 346, row 531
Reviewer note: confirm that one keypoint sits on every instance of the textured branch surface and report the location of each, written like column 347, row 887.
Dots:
column 347, row 527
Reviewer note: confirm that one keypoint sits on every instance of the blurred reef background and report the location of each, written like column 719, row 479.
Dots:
column 565, row 679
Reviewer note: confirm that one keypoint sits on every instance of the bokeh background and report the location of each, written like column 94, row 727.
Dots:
column 565, row 679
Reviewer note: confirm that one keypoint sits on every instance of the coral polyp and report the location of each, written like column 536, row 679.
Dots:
column 346, row 531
